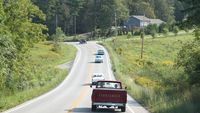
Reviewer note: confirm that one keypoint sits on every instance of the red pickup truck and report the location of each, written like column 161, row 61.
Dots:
column 109, row 94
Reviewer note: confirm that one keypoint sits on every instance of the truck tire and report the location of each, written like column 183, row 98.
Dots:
column 94, row 107
column 123, row 109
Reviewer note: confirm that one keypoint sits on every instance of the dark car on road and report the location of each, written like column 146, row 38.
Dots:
column 82, row 41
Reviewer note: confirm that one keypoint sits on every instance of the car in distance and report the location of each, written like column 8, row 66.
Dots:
column 99, row 59
column 100, row 52
column 82, row 41
column 109, row 94
column 97, row 77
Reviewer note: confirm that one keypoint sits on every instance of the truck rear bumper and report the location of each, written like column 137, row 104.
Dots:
column 109, row 104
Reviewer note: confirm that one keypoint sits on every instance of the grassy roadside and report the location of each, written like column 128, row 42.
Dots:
column 154, row 81
column 44, row 75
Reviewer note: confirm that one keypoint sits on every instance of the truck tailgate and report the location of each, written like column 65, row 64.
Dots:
column 109, row 95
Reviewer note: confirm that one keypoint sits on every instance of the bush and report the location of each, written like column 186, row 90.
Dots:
column 165, row 31
column 129, row 36
column 163, row 28
column 175, row 30
column 151, row 28
column 59, row 36
column 153, row 34
column 189, row 58
column 56, row 48
column 197, row 33
column 137, row 33
column 186, row 30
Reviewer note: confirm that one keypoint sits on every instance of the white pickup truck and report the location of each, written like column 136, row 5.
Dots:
column 97, row 77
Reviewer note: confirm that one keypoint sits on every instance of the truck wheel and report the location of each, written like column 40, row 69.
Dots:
column 94, row 107
column 123, row 109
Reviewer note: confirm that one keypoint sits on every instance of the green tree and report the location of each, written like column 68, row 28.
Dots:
column 59, row 36
column 164, row 10
column 19, row 22
column 109, row 13
column 58, row 14
column 75, row 7
column 192, row 10
column 18, row 34
column 141, row 7
column 7, row 59
column 189, row 55
column 178, row 11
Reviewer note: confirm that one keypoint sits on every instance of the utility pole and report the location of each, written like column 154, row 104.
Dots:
column 142, row 37
column 115, row 24
column 56, row 21
column 95, row 18
column 75, row 25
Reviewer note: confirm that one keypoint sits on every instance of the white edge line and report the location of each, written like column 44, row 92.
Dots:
column 111, row 72
column 130, row 109
column 77, row 58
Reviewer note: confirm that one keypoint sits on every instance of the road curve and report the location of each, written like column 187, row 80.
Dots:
column 73, row 94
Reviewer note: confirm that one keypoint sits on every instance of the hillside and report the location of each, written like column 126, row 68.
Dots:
column 155, row 81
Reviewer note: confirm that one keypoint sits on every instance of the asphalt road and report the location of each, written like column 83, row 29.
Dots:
column 73, row 95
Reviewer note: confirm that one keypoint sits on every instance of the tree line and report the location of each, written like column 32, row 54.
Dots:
column 81, row 16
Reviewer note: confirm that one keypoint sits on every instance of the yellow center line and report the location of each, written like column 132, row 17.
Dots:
column 77, row 101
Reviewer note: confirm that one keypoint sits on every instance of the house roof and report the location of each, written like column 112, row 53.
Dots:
column 151, row 21
column 156, row 21
column 142, row 18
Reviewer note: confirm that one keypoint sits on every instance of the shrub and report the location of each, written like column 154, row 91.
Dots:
column 129, row 36
column 137, row 33
column 144, row 81
column 175, row 30
column 197, row 33
column 186, row 30
column 188, row 57
column 153, row 34
column 162, row 27
column 59, row 36
column 167, row 62
column 165, row 31
column 56, row 48
column 151, row 28
column 119, row 51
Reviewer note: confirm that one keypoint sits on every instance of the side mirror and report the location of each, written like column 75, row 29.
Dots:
column 91, row 86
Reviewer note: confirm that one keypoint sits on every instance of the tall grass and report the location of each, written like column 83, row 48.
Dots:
column 154, row 81
column 43, row 73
